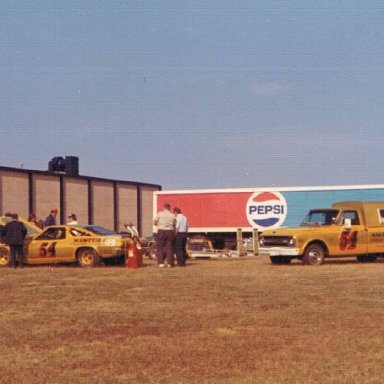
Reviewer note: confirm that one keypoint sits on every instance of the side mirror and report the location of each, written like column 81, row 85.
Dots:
column 347, row 224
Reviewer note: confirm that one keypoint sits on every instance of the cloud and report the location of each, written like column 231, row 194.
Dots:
column 266, row 89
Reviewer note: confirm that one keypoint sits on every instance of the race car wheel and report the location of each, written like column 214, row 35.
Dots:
column 4, row 257
column 88, row 258
column 314, row 255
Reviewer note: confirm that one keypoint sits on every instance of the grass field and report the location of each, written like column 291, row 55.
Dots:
column 216, row 321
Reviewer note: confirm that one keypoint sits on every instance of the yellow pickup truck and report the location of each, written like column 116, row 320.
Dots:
column 347, row 229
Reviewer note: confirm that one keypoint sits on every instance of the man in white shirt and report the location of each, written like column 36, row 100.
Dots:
column 165, row 222
column 72, row 219
column 181, row 228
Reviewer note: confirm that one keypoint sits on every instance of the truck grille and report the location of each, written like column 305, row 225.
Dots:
column 276, row 241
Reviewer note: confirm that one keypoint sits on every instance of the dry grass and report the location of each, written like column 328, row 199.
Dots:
column 216, row 321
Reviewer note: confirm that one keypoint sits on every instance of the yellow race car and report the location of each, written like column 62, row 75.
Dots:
column 86, row 245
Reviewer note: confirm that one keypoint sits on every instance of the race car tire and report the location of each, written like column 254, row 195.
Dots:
column 314, row 255
column 88, row 258
column 4, row 257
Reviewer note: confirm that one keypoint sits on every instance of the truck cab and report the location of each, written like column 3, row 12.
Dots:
column 346, row 229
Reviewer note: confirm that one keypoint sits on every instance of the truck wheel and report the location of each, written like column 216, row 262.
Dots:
column 314, row 255
column 366, row 258
column 276, row 260
column 88, row 258
column 4, row 257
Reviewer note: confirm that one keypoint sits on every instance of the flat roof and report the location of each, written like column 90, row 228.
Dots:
column 81, row 177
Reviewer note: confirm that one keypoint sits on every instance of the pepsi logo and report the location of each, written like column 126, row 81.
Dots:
column 266, row 210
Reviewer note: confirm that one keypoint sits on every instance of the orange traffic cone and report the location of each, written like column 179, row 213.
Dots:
column 134, row 256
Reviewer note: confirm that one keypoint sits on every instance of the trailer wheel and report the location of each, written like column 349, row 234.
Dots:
column 314, row 255
column 152, row 251
column 278, row 260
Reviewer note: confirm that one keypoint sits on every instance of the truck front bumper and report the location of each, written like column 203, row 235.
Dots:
column 278, row 251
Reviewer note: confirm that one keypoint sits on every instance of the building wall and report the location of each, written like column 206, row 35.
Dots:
column 76, row 199
column 14, row 193
column 147, row 210
column 104, row 202
column 46, row 194
column 128, row 207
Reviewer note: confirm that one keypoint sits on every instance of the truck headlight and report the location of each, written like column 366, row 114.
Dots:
column 292, row 241
column 261, row 241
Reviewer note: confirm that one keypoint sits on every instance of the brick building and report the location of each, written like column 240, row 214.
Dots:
column 94, row 200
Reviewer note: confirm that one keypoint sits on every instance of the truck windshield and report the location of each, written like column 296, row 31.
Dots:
column 320, row 217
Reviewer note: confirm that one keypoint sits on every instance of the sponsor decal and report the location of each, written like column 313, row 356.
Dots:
column 266, row 210
column 348, row 240
column 87, row 240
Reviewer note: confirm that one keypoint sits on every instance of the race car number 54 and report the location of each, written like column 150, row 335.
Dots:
column 47, row 249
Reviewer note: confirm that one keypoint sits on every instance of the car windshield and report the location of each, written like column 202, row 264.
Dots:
column 320, row 217
column 100, row 230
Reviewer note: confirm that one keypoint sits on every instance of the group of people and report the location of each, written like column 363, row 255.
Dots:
column 171, row 237
column 14, row 232
column 51, row 219
column 172, row 231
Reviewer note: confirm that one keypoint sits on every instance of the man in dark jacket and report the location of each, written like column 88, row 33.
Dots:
column 14, row 234
column 51, row 218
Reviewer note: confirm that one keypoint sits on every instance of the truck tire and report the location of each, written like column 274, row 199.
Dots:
column 278, row 260
column 314, row 255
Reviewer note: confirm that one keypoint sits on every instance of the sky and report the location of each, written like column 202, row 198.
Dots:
column 196, row 94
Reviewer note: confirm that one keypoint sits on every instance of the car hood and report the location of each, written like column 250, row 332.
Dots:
column 296, row 231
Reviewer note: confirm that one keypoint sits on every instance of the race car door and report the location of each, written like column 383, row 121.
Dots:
column 50, row 246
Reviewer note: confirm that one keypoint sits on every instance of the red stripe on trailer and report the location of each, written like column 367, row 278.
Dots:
column 225, row 210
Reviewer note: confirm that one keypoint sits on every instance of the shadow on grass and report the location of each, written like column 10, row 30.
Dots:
column 349, row 261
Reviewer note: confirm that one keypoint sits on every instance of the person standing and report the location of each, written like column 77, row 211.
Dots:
column 51, row 218
column 165, row 222
column 73, row 219
column 14, row 233
column 181, row 229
